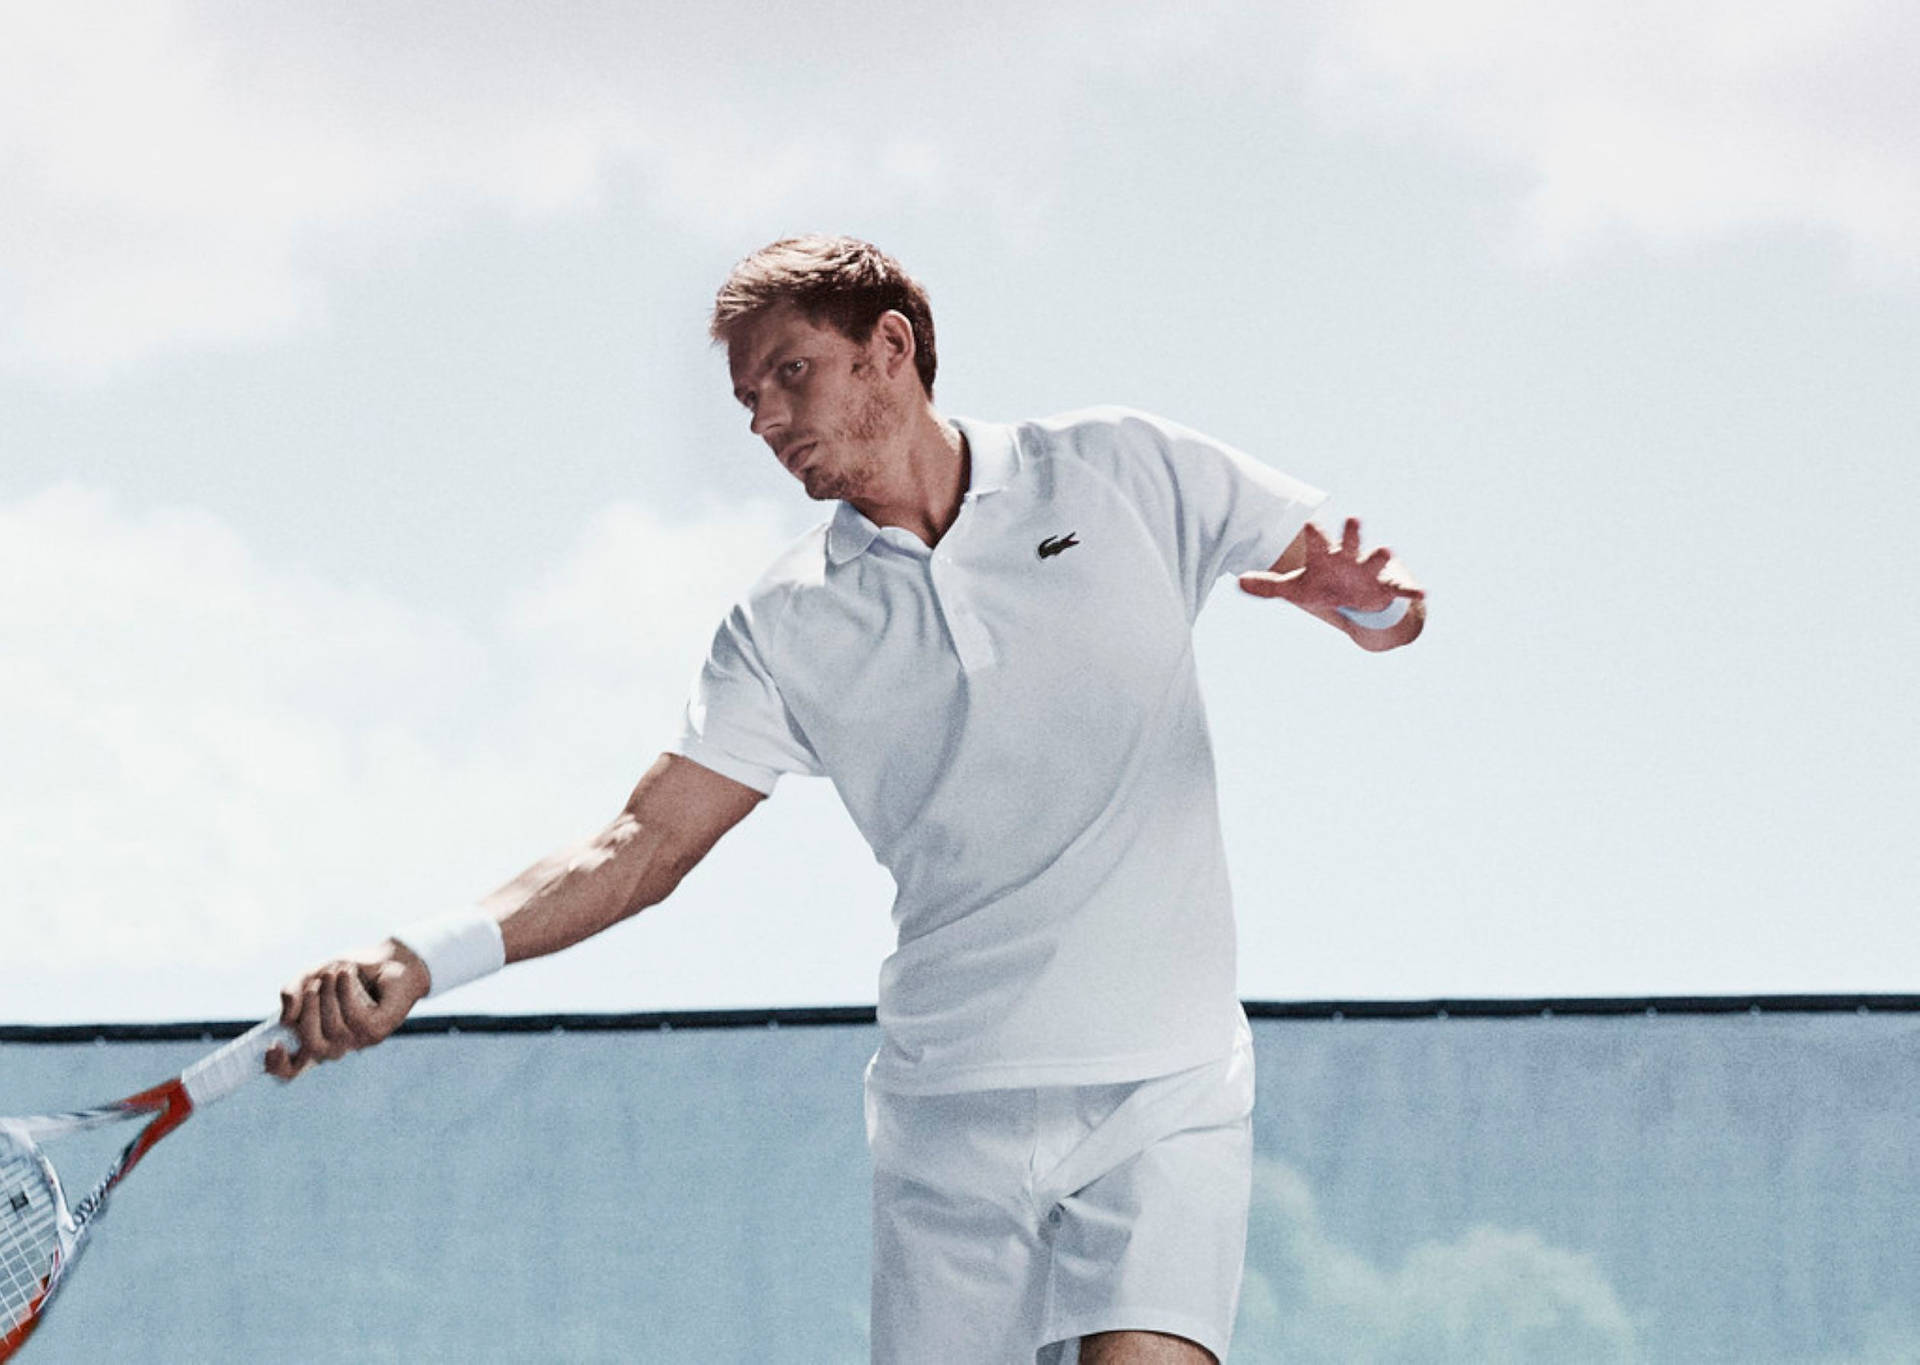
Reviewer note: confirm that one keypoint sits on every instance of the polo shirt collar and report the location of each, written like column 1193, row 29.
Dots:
column 993, row 458
column 849, row 533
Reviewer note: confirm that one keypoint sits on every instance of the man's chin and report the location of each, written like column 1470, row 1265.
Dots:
column 827, row 487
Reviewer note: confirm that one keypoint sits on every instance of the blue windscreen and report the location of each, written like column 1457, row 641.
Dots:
column 1619, row 1188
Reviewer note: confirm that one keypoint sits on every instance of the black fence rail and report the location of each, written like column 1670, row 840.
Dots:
column 816, row 1016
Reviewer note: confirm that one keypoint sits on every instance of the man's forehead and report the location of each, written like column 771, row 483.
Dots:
column 755, row 343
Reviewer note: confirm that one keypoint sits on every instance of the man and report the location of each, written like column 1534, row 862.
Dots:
column 988, row 649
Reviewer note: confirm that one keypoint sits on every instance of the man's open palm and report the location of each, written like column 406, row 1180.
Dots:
column 1333, row 575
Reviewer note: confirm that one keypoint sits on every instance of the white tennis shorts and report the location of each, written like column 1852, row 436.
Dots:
column 1008, row 1224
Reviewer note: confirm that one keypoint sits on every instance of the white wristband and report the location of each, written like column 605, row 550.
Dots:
column 1390, row 615
column 458, row 946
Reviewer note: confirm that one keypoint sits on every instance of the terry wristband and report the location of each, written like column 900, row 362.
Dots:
column 458, row 946
column 1390, row 615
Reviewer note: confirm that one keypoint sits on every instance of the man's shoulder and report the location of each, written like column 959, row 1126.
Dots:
column 799, row 565
column 1114, row 442
column 1090, row 428
column 1135, row 451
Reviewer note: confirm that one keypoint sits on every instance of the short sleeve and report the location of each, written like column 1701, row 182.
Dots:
column 737, row 724
column 1214, row 509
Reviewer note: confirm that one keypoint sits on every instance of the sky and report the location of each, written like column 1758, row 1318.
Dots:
column 369, row 489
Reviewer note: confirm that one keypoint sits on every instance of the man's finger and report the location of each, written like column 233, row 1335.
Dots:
column 298, row 1013
column 373, row 980
column 1350, row 538
column 1263, row 583
column 333, row 1023
column 357, row 1006
column 313, row 1042
column 280, row 1064
column 343, row 1023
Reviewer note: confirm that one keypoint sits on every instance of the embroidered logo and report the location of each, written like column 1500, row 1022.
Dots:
column 1054, row 545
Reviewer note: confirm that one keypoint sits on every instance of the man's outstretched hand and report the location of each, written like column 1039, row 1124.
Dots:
column 347, row 1004
column 1319, row 576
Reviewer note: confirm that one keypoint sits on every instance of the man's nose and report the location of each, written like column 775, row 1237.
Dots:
column 767, row 416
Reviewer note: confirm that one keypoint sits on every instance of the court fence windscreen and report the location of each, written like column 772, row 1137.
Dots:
column 1475, row 1182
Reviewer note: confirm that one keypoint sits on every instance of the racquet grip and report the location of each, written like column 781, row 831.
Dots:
column 221, row 1072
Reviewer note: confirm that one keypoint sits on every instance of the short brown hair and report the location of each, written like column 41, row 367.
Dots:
column 840, row 281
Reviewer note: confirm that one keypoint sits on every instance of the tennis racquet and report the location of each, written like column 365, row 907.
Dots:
column 40, row 1234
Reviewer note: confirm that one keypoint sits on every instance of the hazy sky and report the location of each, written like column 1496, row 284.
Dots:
column 368, row 489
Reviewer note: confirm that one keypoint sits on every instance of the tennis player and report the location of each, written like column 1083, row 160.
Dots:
column 987, row 646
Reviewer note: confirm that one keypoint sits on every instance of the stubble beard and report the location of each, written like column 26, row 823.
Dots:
column 872, row 422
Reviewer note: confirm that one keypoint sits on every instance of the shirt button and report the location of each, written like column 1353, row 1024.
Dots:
column 1053, row 1214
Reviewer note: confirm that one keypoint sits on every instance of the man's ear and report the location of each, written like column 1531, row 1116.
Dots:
column 893, row 343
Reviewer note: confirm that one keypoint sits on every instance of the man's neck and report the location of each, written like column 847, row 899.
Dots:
column 927, row 481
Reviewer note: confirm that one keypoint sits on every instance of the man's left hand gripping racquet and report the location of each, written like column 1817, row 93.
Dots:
column 40, row 1234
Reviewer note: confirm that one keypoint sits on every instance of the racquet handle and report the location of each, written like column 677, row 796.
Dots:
column 220, row 1073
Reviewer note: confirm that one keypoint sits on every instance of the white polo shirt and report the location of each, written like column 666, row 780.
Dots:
column 1014, row 722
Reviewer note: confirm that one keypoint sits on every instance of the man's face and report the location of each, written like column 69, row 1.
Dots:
column 818, row 400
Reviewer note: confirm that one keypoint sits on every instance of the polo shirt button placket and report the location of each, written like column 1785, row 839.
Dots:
column 963, row 627
column 969, row 640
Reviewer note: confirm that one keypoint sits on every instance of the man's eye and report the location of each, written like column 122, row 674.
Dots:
column 793, row 368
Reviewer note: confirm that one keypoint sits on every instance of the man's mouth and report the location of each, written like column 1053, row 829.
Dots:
column 793, row 457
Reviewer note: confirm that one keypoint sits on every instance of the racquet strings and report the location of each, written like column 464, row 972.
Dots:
column 29, row 1233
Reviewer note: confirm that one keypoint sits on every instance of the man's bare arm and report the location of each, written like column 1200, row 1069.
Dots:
column 1320, row 577
column 676, row 814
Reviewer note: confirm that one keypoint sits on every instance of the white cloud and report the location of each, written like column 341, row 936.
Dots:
column 170, row 183
column 1490, row 1296
column 1674, row 124
column 194, row 174
column 617, row 629
column 189, row 175
column 207, row 753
